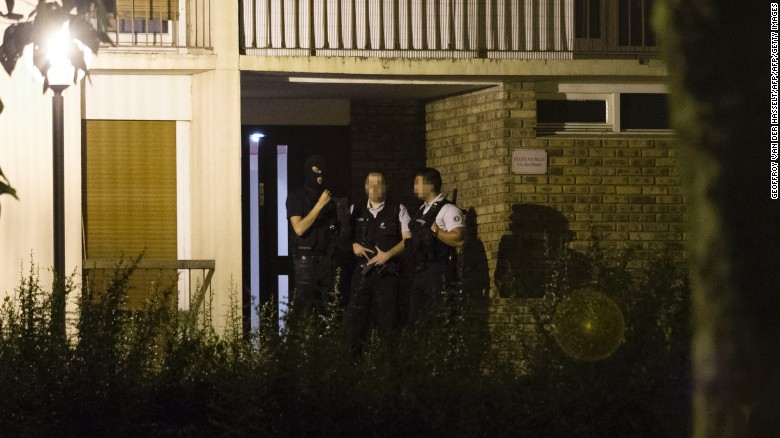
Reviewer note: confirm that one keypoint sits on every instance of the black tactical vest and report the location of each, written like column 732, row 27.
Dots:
column 321, row 237
column 383, row 231
column 426, row 248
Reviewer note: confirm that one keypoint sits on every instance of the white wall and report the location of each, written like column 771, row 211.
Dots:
column 215, row 194
column 26, row 225
column 216, row 162
column 138, row 97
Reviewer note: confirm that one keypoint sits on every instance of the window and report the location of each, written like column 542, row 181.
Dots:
column 142, row 26
column 159, row 10
column 601, row 109
column 644, row 111
column 615, row 27
column 130, row 198
column 634, row 23
column 145, row 22
column 571, row 111
column 587, row 19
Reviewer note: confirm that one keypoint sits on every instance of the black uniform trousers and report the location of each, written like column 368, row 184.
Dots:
column 373, row 295
column 428, row 291
column 313, row 283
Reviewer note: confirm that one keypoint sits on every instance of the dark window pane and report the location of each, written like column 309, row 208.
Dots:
column 649, row 34
column 636, row 23
column 595, row 19
column 571, row 111
column 587, row 19
column 624, row 22
column 644, row 111
column 142, row 26
column 634, row 27
column 580, row 19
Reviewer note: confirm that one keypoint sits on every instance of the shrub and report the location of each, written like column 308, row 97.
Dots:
column 155, row 373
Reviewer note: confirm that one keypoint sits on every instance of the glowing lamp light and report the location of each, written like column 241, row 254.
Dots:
column 58, row 49
column 255, row 137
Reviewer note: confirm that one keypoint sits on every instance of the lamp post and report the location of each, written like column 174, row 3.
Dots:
column 59, row 75
column 58, row 173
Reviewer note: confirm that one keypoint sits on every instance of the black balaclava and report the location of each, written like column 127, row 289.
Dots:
column 310, row 180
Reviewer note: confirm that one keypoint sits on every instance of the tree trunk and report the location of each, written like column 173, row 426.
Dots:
column 718, row 57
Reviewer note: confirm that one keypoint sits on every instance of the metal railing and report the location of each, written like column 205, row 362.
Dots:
column 415, row 28
column 161, row 24
column 197, row 301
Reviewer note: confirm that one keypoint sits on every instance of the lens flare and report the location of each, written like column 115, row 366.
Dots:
column 589, row 326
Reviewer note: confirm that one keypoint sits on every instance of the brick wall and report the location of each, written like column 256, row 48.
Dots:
column 619, row 193
column 622, row 193
column 388, row 136
column 515, row 330
column 466, row 139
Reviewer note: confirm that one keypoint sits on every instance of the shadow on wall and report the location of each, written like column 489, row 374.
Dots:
column 535, row 256
column 475, row 275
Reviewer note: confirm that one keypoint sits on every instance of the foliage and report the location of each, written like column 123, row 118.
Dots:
column 5, row 186
column 37, row 27
column 43, row 21
column 650, row 371
column 151, row 373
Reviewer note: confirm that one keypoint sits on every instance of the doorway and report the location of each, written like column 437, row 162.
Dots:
column 272, row 166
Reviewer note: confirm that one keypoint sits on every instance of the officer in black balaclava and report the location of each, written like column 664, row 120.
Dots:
column 314, row 221
column 314, row 174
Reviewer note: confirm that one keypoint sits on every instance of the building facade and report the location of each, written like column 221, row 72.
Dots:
column 548, row 118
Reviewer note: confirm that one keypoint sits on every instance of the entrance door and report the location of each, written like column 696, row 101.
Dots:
column 273, row 158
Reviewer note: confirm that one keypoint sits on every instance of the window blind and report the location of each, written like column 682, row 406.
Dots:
column 130, row 197
column 147, row 9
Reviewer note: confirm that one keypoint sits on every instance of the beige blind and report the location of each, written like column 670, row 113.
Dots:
column 130, row 195
column 148, row 9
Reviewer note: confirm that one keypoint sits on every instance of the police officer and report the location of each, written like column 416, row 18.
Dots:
column 379, row 228
column 438, row 227
column 314, row 221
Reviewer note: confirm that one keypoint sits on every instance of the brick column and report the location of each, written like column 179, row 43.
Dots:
column 467, row 140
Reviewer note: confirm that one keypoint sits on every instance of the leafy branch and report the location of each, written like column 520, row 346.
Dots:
column 87, row 21
column 5, row 186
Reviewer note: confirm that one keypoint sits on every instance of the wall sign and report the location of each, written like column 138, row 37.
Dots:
column 529, row 161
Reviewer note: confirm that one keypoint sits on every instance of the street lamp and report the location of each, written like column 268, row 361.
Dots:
column 59, row 75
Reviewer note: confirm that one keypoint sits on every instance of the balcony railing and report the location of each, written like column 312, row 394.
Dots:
column 161, row 24
column 193, row 277
column 526, row 29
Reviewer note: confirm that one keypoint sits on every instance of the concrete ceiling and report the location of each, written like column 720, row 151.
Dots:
column 265, row 86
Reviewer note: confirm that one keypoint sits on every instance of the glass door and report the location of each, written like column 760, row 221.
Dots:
column 273, row 158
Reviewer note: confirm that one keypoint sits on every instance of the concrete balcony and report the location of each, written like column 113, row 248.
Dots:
column 182, row 26
column 447, row 29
